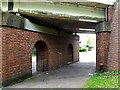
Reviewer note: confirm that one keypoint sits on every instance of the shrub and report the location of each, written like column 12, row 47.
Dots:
column 33, row 55
column 82, row 49
column 90, row 48
column 87, row 46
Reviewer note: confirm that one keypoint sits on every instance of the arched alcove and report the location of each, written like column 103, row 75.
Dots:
column 70, row 53
column 41, row 52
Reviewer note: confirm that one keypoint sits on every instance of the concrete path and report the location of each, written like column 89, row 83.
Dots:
column 69, row 76
column 88, row 57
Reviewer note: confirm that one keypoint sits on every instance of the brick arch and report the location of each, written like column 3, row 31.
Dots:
column 70, row 53
column 36, row 39
column 42, row 56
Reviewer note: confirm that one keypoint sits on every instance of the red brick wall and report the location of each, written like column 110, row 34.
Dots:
column 0, row 56
column 70, row 53
column 119, row 38
column 110, row 13
column 17, row 52
column 114, row 39
column 102, row 48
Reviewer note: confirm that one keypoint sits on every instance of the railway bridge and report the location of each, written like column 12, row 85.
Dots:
column 51, row 27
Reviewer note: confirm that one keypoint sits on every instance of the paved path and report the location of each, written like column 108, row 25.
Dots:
column 88, row 57
column 69, row 76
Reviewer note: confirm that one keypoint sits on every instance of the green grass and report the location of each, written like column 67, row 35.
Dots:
column 21, row 80
column 103, row 80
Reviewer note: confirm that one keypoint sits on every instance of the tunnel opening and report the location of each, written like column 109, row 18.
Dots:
column 87, row 49
column 40, row 57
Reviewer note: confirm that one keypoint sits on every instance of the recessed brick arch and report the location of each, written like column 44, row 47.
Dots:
column 42, row 56
column 70, row 53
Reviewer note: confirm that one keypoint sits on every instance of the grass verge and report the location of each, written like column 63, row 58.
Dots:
column 103, row 80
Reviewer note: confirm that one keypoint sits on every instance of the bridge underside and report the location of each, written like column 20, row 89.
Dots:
column 68, row 24
column 71, row 17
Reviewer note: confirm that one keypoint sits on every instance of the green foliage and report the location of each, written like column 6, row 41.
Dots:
column 87, row 46
column 27, row 79
column 82, row 49
column 21, row 80
column 33, row 55
column 104, row 80
column 34, row 48
column 90, row 42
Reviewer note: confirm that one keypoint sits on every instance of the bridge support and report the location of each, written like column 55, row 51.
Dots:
column 103, row 31
column 108, row 48
column 114, row 46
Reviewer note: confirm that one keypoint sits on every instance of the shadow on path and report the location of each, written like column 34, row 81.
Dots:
column 69, row 76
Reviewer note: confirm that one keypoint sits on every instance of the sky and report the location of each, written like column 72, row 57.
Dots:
column 104, row 1
column 101, row 1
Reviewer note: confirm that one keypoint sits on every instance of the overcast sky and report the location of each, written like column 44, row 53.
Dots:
column 104, row 1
